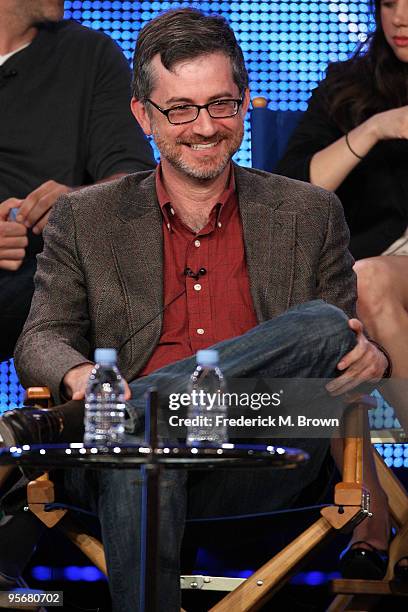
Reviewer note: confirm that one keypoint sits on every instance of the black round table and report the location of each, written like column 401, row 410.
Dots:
column 151, row 458
column 151, row 461
column 76, row 455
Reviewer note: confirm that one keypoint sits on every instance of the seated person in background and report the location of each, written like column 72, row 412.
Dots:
column 112, row 273
column 353, row 140
column 64, row 122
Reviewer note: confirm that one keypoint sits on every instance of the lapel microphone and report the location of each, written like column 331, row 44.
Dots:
column 196, row 275
column 187, row 272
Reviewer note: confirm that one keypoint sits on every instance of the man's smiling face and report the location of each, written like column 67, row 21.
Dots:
column 200, row 149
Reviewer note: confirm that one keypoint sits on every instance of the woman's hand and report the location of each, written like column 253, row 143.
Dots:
column 390, row 124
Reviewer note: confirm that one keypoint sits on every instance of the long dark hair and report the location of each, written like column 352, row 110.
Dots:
column 371, row 81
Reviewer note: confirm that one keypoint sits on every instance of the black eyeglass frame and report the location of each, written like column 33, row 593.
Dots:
column 198, row 107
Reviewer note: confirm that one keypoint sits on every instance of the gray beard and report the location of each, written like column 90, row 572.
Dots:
column 202, row 174
column 199, row 173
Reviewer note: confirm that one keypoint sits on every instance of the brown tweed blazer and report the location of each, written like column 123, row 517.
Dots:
column 100, row 276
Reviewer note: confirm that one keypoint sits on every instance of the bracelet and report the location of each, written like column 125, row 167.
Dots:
column 352, row 151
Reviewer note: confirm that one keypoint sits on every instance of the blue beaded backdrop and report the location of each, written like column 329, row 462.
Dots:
column 287, row 47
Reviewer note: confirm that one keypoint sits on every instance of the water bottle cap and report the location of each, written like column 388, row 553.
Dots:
column 105, row 355
column 208, row 357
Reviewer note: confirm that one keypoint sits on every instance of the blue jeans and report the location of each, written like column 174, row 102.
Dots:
column 306, row 342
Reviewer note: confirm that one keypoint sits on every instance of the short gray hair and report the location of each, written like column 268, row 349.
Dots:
column 184, row 34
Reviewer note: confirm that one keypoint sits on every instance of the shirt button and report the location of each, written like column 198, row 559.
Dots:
column 219, row 224
column 168, row 226
column 197, row 243
column 172, row 211
column 197, row 287
column 200, row 331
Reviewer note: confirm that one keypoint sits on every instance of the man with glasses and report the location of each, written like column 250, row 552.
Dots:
column 198, row 253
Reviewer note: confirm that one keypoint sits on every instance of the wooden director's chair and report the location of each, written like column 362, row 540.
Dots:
column 351, row 505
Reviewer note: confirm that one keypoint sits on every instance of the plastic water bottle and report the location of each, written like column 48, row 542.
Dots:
column 207, row 409
column 105, row 402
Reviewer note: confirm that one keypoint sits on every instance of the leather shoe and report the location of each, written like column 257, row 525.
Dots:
column 28, row 425
column 357, row 562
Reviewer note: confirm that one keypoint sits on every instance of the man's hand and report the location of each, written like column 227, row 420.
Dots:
column 76, row 380
column 13, row 237
column 36, row 207
column 365, row 363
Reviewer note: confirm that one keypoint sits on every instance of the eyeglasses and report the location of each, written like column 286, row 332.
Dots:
column 220, row 109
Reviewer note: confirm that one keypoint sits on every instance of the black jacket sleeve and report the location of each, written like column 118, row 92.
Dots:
column 115, row 141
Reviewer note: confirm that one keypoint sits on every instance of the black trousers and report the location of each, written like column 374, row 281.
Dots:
column 16, row 292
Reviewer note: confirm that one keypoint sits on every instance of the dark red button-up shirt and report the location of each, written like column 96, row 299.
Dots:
column 217, row 304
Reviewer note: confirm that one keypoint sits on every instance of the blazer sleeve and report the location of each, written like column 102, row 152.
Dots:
column 314, row 132
column 336, row 279
column 55, row 336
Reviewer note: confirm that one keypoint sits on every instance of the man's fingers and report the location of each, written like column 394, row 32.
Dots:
column 29, row 203
column 38, row 227
column 358, row 350
column 9, row 229
column 32, row 199
column 39, row 201
column 128, row 393
column 7, row 205
column 78, row 395
column 354, row 355
column 39, row 208
column 356, row 325
column 345, row 383
column 12, row 242
column 366, row 370
column 13, row 254
column 351, row 384
column 336, row 386
column 10, row 264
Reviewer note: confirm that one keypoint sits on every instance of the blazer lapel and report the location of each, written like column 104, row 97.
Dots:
column 270, row 238
column 137, row 248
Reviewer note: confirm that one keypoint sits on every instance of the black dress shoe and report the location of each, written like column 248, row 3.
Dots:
column 28, row 425
column 357, row 562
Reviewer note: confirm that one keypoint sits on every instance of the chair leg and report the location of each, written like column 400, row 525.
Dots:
column 398, row 504
column 90, row 546
column 398, row 549
column 41, row 492
column 353, row 603
column 395, row 491
column 259, row 587
column 351, row 499
column 340, row 603
column 5, row 471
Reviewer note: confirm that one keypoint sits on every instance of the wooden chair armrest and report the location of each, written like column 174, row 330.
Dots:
column 38, row 396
